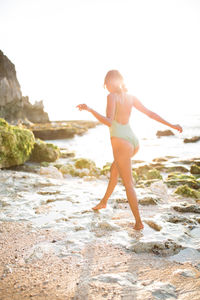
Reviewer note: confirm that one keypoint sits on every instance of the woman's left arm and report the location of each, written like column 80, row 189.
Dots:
column 109, row 111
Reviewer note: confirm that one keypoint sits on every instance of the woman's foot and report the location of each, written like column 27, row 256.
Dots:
column 100, row 205
column 138, row 226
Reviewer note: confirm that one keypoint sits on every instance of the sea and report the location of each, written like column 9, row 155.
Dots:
column 95, row 144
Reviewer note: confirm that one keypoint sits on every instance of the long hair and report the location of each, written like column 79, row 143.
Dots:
column 115, row 77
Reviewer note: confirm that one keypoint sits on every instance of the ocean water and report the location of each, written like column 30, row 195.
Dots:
column 95, row 144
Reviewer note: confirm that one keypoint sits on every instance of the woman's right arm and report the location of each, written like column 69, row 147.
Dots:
column 139, row 106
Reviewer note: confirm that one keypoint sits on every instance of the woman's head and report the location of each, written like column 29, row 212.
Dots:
column 114, row 82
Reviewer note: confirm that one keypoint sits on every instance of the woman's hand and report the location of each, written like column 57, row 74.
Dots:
column 83, row 107
column 178, row 127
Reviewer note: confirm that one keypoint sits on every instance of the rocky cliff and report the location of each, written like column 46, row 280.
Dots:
column 13, row 106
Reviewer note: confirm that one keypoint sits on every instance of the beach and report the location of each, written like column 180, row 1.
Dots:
column 54, row 246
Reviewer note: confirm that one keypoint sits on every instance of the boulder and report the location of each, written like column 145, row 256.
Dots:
column 16, row 144
column 13, row 106
column 164, row 133
column 44, row 152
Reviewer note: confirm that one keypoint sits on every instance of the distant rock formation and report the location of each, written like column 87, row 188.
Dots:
column 13, row 106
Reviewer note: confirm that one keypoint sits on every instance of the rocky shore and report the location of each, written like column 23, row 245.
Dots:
column 54, row 246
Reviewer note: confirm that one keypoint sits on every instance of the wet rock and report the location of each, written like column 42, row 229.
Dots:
column 194, row 139
column 159, row 247
column 61, row 129
column 121, row 278
column 83, row 163
column 44, row 152
column 187, row 208
column 176, row 169
column 64, row 153
column 177, row 179
column 153, row 174
column 106, row 169
column 185, row 273
column 142, row 171
column 153, row 225
column 51, row 172
column 16, row 144
column 185, row 191
column 179, row 219
column 160, row 159
column 164, row 133
column 195, row 169
column 149, row 200
column 162, row 290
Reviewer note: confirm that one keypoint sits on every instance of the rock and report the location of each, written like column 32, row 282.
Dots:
column 16, row 144
column 153, row 174
column 106, row 169
column 142, row 171
column 162, row 290
column 164, row 133
column 179, row 219
column 185, row 273
column 61, row 129
column 69, row 169
column 51, row 172
column 44, row 152
column 195, row 169
column 192, row 140
column 176, row 169
column 13, row 106
column 187, row 208
column 149, row 200
column 185, row 191
column 82, row 163
column 64, row 153
column 153, row 225
column 122, row 278
column 177, row 179
column 165, row 247
column 160, row 159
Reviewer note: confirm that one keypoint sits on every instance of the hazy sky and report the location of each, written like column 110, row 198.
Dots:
column 62, row 50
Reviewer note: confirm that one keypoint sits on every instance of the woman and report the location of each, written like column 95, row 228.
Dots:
column 124, row 143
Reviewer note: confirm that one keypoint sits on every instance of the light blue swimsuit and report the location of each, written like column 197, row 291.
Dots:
column 123, row 131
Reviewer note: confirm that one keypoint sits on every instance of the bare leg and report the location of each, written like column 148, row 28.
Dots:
column 114, row 174
column 122, row 151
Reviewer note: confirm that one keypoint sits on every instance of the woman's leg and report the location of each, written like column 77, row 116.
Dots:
column 114, row 174
column 122, row 151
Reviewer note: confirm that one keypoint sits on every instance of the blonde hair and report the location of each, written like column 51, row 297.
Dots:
column 114, row 75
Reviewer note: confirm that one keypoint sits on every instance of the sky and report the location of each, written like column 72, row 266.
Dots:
column 62, row 50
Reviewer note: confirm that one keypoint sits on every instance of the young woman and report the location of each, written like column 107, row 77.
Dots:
column 124, row 142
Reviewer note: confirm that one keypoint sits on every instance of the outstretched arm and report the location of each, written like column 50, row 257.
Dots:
column 109, row 111
column 139, row 106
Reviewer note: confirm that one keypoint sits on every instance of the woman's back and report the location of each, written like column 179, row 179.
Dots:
column 123, row 107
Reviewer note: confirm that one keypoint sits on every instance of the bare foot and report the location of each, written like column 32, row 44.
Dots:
column 100, row 205
column 138, row 226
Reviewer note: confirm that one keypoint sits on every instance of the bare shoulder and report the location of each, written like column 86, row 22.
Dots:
column 133, row 99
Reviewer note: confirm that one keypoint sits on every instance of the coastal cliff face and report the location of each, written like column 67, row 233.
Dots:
column 13, row 106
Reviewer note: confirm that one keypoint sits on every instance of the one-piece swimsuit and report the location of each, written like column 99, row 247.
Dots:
column 123, row 131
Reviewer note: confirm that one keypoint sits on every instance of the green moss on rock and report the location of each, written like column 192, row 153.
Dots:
column 16, row 144
column 44, row 152
column 195, row 169
column 106, row 169
column 153, row 174
column 83, row 163
column 185, row 191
